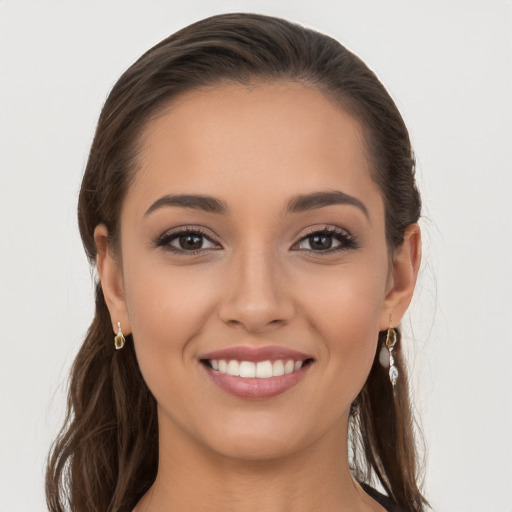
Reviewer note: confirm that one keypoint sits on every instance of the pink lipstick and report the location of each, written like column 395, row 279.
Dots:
column 256, row 373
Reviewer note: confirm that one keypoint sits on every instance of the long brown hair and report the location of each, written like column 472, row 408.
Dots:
column 106, row 455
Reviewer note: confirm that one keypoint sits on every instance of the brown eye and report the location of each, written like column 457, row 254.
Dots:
column 186, row 242
column 190, row 242
column 320, row 242
column 327, row 241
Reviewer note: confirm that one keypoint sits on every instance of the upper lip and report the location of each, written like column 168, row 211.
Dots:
column 268, row 353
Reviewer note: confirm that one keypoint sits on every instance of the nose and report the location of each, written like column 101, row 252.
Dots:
column 256, row 296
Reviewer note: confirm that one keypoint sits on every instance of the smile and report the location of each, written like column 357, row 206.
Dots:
column 256, row 373
column 260, row 370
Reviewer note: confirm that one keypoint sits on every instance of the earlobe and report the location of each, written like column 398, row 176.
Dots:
column 111, row 278
column 404, row 272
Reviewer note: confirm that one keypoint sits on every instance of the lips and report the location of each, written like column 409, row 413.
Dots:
column 256, row 373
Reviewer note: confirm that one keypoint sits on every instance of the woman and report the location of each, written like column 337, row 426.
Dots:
column 250, row 205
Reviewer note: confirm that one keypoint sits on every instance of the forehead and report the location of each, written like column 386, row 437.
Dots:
column 260, row 142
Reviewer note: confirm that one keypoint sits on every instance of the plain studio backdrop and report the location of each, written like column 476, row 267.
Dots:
column 448, row 66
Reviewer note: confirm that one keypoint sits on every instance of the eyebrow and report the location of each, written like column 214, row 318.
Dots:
column 315, row 200
column 296, row 204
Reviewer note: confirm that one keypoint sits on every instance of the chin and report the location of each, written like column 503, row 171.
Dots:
column 256, row 448
column 263, row 438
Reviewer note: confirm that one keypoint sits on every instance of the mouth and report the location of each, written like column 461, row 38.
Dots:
column 259, row 370
column 256, row 373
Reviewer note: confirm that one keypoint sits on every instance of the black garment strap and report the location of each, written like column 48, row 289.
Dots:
column 381, row 499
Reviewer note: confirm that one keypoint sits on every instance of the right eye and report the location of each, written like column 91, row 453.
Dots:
column 186, row 242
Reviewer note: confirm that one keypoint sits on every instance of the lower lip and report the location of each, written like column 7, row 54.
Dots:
column 254, row 388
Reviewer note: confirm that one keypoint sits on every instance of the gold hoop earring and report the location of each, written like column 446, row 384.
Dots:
column 119, row 338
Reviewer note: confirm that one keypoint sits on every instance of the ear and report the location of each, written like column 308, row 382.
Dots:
column 402, row 279
column 111, row 278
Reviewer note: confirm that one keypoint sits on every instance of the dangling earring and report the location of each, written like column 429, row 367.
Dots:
column 390, row 343
column 386, row 358
column 119, row 338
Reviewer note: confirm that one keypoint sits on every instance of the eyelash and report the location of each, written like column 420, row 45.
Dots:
column 347, row 241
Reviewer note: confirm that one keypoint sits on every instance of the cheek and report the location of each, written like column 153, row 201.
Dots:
column 345, row 311
column 346, row 299
column 167, row 307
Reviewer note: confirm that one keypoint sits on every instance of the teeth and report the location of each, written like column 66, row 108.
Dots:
column 247, row 369
column 233, row 368
column 260, row 370
column 264, row 370
column 277, row 368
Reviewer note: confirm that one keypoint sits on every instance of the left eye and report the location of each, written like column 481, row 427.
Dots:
column 326, row 240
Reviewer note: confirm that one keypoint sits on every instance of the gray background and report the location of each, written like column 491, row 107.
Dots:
column 448, row 66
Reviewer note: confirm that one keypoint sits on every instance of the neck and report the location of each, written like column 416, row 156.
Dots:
column 194, row 478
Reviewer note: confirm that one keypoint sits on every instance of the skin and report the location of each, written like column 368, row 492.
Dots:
column 255, row 284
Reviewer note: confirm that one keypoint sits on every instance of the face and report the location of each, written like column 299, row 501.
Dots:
column 279, row 270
